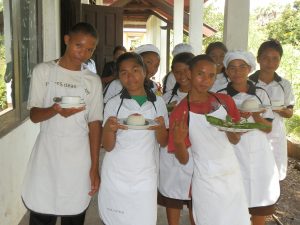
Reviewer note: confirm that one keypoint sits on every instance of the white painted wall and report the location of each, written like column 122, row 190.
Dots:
column 155, row 35
column 236, row 24
column 15, row 147
column 15, row 150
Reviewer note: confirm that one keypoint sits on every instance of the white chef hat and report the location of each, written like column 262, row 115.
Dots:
column 147, row 48
column 248, row 57
column 182, row 47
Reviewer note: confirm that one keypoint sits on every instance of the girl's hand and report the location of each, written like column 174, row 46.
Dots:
column 112, row 125
column 180, row 129
column 160, row 124
column 66, row 112
column 245, row 115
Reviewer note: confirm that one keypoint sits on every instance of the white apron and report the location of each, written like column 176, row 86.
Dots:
column 258, row 167
column 174, row 178
column 57, row 178
column 217, row 189
column 128, row 192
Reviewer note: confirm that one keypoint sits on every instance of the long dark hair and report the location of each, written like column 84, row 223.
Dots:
column 139, row 60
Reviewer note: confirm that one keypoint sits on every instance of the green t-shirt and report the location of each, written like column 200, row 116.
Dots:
column 140, row 99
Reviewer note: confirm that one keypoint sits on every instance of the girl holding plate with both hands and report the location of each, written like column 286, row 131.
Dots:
column 128, row 190
column 281, row 94
column 257, row 163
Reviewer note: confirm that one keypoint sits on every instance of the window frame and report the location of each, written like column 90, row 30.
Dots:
column 16, row 116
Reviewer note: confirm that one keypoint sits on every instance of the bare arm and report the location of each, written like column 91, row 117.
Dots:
column 285, row 112
column 233, row 137
column 259, row 119
column 161, row 132
column 109, row 133
column 41, row 114
column 95, row 143
column 180, row 131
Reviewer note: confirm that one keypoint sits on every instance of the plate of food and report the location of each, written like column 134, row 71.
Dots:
column 71, row 105
column 229, row 125
column 251, row 105
column 137, row 122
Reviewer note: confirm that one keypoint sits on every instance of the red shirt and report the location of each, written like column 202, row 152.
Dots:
column 209, row 106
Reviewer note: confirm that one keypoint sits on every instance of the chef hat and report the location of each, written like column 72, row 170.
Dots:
column 248, row 57
column 182, row 47
column 147, row 48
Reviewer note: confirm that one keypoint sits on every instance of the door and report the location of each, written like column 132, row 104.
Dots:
column 109, row 23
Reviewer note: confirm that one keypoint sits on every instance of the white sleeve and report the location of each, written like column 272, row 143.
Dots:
column 171, row 81
column 162, row 110
column 289, row 98
column 112, row 90
column 95, row 107
column 38, row 86
column 109, row 110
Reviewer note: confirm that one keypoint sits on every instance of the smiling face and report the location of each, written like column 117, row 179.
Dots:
column 217, row 55
column 180, row 71
column 80, row 47
column 132, row 76
column 237, row 71
column 202, row 75
column 151, row 60
column 269, row 60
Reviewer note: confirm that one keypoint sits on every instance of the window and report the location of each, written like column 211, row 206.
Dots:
column 20, row 51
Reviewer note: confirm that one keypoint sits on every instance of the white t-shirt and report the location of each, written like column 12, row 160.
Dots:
column 171, row 81
column 169, row 98
column 220, row 82
column 66, row 79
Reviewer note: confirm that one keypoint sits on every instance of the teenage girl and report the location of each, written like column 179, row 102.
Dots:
column 217, row 190
column 174, row 178
column 128, row 194
column 217, row 50
column 257, row 163
column 279, row 89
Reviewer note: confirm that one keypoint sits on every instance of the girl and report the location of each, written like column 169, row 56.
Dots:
column 169, row 80
column 217, row 51
column 217, row 189
column 129, row 171
column 279, row 89
column 254, row 153
column 174, row 178
column 151, row 58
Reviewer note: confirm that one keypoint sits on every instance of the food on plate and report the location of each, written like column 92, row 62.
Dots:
column 250, row 104
column 71, row 100
column 136, row 120
column 230, row 124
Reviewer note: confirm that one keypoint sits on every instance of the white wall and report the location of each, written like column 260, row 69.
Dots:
column 15, row 147
column 15, row 150
column 154, row 35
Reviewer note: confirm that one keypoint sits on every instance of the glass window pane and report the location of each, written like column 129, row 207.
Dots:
column 6, row 65
column 29, row 43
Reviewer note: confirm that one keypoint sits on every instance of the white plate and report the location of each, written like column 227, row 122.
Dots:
column 259, row 109
column 66, row 106
column 232, row 129
column 149, row 123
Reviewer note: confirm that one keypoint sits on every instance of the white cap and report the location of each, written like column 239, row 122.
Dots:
column 248, row 57
column 147, row 48
column 182, row 47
